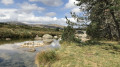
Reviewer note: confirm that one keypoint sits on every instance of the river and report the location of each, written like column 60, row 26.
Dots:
column 12, row 55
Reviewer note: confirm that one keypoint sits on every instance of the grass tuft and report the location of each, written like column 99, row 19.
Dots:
column 46, row 58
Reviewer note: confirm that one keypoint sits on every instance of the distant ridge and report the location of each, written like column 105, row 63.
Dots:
column 35, row 25
column 16, row 23
column 47, row 26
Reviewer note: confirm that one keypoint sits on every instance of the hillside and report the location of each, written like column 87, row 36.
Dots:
column 47, row 26
column 24, row 31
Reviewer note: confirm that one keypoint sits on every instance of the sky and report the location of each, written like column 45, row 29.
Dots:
column 37, row 11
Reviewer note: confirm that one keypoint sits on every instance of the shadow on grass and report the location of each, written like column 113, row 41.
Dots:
column 112, row 47
column 90, row 43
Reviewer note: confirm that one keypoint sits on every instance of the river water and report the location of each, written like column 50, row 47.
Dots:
column 12, row 55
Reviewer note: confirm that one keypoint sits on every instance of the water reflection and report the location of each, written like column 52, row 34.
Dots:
column 11, row 55
column 2, row 42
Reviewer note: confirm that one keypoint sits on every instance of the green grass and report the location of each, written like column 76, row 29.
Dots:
column 46, row 58
column 72, row 55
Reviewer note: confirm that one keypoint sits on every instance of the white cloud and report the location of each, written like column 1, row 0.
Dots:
column 49, row 2
column 26, row 7
column 7, row 2
column 71, row 4
column 51, row 14
column 76, row 10
column 32, row 19
column 13, row 15
column 73, row 8
column 8, row 14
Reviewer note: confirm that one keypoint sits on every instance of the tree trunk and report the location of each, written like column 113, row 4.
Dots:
column 116, row 24
column 110, row 35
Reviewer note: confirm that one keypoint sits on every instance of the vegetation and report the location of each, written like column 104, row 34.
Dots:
column 103, row 16
column 23, row 31
column 68, row 34
column 105, row 24
column 97, row 55
column 46, row 58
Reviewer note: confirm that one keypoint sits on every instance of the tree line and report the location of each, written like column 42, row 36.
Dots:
column 104, row 16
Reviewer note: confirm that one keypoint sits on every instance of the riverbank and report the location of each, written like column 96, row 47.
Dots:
column 24, row 31
column 92, row 55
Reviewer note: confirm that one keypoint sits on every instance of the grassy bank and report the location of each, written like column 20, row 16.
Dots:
column 97, row 55
column 24, row 31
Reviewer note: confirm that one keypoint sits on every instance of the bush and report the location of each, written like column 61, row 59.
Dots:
column 46, row 57
column 68, row 34
column 93, row 30
column 57, row 29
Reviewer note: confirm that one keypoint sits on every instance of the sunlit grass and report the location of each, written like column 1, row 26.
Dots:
column 46, row 58
column 87, row 56
column 110, row 42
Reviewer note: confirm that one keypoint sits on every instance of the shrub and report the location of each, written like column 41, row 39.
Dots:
column 46, row 58
column 68, row 34
column 57, row 29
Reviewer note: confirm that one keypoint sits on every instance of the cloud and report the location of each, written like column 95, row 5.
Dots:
column 32, row 19
column 76, row 10
column 49, row 2
column 51, row 14
column 26, row 7
column 8, row 15
column 29, row 18
column 7, row 2
column 71, row 4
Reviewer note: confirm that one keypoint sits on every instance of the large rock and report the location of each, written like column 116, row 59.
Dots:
column 32, row 50
column 8, row 39
column 47, row 36
column 37, row 38
column 47, row 39
column 55, row 37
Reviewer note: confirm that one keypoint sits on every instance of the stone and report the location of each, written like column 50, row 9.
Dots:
column 60, row 39
column 47, row 39
column 47, row 36
column 56, row 37
column 8, row 39
column 38, row 38
column 32, row 44
column 32, row 50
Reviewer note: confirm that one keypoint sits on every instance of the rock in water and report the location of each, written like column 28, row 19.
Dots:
column 47, row 39
column 56, row 37
column 37, row 38
column 32, row 50
column 8, row 39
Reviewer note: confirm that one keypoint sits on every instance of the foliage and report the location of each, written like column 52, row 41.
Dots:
column 103, row 13
column 68, row 34
column 93, row 29
column 57, row 29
